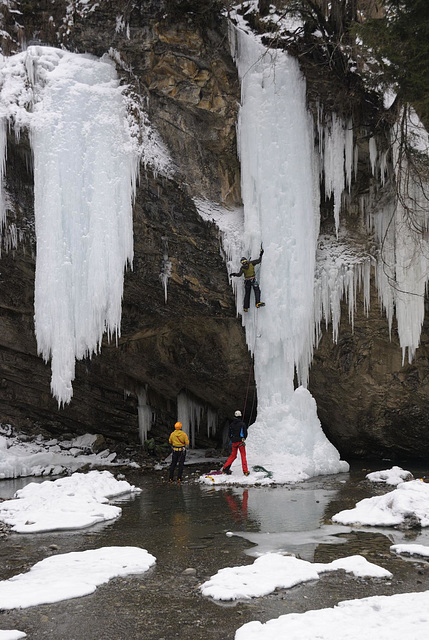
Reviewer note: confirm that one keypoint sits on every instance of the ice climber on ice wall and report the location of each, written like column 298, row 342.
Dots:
column 281, row 212
column 247, row 269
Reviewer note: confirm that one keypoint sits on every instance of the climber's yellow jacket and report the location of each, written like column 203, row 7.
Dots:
column 178, row 438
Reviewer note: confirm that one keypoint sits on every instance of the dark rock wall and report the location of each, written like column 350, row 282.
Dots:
column 369, row 402
column 181, row 67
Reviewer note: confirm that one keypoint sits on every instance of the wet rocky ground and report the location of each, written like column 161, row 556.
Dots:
column 185, row 528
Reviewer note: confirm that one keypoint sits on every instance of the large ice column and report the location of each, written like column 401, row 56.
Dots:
column 84, row 178
column 87, row 137
column 280, row 196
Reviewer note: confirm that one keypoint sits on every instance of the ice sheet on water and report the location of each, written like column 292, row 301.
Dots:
column 75, row 502
column 71, row 575
column 276, row 571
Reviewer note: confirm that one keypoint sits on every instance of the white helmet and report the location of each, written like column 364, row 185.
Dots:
column 237, row 414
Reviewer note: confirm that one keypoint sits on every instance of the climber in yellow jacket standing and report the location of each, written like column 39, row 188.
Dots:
column 179, row 441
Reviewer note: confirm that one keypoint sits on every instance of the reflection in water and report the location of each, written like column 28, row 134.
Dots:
column 10, row 486
column 274, row 516
column 238, row 506
column 289, row 509
column 293, row 520
column 180, row 531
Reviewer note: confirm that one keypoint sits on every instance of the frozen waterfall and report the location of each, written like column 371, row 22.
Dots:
column 85, row 168
column 281, row 211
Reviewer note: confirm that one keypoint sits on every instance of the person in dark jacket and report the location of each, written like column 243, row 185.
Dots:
column 238, row 435
column 248, row 271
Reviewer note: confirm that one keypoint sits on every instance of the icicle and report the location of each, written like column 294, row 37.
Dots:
column 349, row 155
column 212, row 420
column 356, row 160
column 333, row 163
column 341, row 272
column 145, row 414
column 166, row 266
column 403, row 263
column 86, row 145
column 373, row 155
column 3, row 142
column 383, row 167
column 189, row 413
column 230, row 223
column 411, row 244
column 320, row 132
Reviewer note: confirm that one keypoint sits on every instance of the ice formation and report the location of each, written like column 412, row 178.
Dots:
column 401, row 229
column 397, row 218
column 281, row 176
column 85, row 169
column 280, row 191
column 166, row 267
column 190, row 413
column 145, row 414
column 281, row 173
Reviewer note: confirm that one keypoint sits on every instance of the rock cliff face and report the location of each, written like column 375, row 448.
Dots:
column 175, row 57
column 192, row 342
column 371, row 404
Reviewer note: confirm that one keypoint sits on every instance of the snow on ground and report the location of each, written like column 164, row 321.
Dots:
column 393, row 476
column 273, row 571
column 74, row 502
column 236, row 477
column 408, row 503
column 410, row 550
column 20, row 457
column 382, row 617
column 71, row 575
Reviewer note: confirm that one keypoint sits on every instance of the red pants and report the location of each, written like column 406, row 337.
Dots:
column 237, row 446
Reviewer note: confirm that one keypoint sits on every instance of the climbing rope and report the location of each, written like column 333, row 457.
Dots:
column 258, row 467
column 250, row 372
column 257, row 271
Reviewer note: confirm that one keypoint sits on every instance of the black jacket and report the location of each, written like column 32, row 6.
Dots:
column 237, row 430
